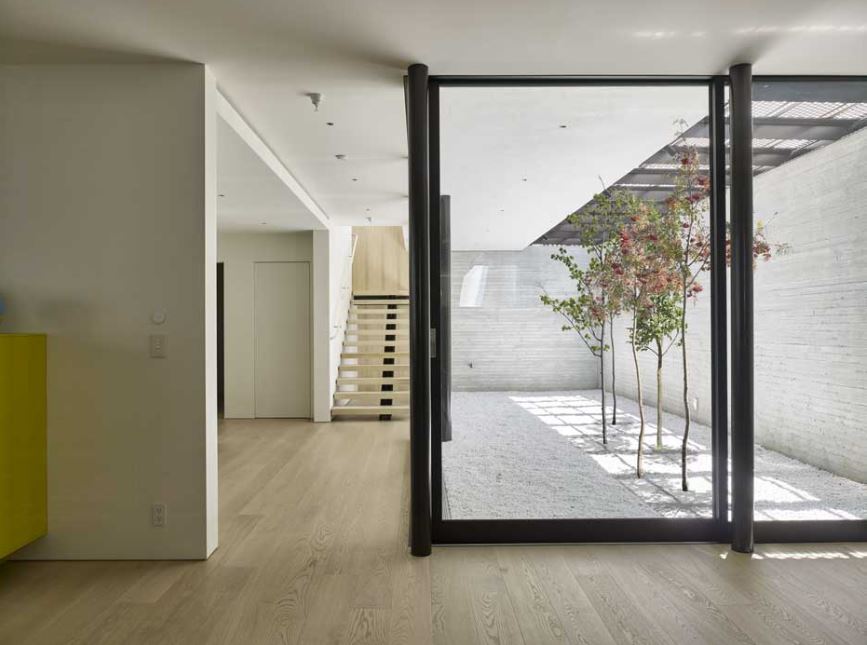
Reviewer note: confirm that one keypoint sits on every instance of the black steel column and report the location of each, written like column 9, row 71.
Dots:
column 742, row 307
column 419, row 312
column 719, row 319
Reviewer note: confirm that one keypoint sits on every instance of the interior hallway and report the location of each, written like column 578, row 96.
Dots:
column 313, row 550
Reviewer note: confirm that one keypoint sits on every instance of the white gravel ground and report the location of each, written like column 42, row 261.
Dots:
column 540, row 455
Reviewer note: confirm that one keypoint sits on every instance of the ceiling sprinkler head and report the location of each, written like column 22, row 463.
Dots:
column 369, row 220
column 341, row 157
column 315, row 99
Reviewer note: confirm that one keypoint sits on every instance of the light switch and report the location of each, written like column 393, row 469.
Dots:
column 158, row 345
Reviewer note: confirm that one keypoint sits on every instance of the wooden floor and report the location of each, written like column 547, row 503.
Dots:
column 313, row 550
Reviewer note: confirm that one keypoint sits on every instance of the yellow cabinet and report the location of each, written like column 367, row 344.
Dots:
column 22, row 441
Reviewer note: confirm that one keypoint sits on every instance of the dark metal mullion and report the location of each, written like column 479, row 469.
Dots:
column 578, row 530
column 719, row 320
column 566, row 81
column 445, row 331
column 742, row 308
column 419, row 313
column 566, row 530
column 435, row 305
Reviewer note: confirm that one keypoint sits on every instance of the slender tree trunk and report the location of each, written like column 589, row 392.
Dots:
column 613, row 374
column 602, row 383
column 686, row 419
column 639, row 466
column 658, row 394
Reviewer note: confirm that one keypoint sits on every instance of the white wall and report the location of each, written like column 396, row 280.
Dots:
column 106, row 216
column 322, row 326
column 239, row 252
column 810, row 316
column 340, row 290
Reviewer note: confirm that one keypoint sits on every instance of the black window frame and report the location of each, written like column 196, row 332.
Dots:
column 427, row 428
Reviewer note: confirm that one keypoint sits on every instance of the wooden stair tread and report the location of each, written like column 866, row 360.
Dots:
column 382, row 343
column 369, row 409
column 400, row 313
column 378, row 334
column 376, row 369
column 374, row 354
column 375, row 293
column 378, row 326
column 371, row 396
column 371, row 316
column 371, row 380
column 380, row 304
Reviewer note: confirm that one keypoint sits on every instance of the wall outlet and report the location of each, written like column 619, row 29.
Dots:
column 158, row 515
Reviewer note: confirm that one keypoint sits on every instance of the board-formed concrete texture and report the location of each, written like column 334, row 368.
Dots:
column 503, row 338
column 521, row 455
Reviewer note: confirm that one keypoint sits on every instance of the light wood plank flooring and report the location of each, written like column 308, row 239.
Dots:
column 313, row 550
column 313, row 534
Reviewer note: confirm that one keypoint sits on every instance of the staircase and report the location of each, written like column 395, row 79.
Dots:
column 373, row 376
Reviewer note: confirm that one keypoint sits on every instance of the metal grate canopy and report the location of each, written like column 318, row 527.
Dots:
column 790, row 119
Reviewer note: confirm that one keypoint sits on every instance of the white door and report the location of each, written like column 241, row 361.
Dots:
column 281, row 313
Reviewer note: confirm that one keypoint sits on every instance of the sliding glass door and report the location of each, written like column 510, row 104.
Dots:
column 586, row 237
column 576, row 295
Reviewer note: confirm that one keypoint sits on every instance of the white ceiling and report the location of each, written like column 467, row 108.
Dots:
column 266, row 54
column 513, row 172
column 250, row 196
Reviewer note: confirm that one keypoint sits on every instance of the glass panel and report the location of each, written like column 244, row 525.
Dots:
column 810, row 195
column 612, row 182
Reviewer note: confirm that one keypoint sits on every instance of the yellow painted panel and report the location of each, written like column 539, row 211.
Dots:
column 23, row 484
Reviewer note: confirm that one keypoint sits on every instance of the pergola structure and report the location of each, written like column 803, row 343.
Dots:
column 789, row 120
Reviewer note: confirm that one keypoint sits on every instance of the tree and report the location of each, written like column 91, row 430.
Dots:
column 597, row 299
column 587, row 312
column 645, row 264
column 597, row 226
column 687, row 209
column 658, row 332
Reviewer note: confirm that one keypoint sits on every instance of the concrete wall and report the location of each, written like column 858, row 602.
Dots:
column 239, row 252
column 810, row 317
column 503, row 338
column 107, row 190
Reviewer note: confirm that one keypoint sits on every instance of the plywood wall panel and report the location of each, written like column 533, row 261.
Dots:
column 381, row 264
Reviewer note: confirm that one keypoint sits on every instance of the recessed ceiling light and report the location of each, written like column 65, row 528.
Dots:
column 355, row 179
column 366, row 210
column 524, row 179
